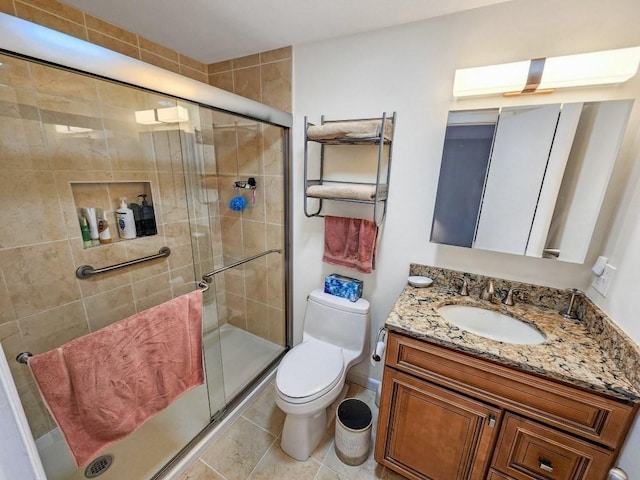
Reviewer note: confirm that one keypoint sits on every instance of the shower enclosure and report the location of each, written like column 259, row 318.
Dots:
column 72, row 140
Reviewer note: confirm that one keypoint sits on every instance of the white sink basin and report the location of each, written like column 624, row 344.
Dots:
column 491, row 324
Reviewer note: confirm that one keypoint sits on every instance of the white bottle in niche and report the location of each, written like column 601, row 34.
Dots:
column 126, row 222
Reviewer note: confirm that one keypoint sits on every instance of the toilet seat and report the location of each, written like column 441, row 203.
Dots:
column 309, row 370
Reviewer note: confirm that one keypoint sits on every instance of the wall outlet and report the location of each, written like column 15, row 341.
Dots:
column 601, row 283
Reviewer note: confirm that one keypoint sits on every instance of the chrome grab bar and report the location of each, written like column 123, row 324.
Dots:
column 87, row 271
column 207, row 277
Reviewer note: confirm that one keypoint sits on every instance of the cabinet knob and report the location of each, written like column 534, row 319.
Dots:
column 545, row 464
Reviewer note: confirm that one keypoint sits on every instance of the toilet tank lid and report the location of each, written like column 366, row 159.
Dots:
column 360, row 306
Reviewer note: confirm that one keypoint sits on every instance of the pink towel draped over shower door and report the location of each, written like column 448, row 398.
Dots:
column 350, row 243
column 101, row 387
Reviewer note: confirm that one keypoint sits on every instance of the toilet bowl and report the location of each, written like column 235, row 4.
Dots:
column 310, row 381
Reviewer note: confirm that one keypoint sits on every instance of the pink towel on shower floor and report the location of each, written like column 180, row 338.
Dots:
column 350, row 243
column 101, row 387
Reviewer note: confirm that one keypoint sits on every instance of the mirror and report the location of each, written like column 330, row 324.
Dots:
column 527, row 180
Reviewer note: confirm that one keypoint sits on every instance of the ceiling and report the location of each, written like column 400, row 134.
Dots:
column 216, row 30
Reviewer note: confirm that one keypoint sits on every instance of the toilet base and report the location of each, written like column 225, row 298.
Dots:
column 301, row 434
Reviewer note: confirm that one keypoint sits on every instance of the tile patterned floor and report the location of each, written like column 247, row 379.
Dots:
column 249, row 449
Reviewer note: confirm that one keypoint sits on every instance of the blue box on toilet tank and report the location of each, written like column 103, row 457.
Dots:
column 341, row 286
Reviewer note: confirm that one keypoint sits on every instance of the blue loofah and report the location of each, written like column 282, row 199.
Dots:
column 237, row 203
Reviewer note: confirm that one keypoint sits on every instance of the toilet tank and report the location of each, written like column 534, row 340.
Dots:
column 337, row 320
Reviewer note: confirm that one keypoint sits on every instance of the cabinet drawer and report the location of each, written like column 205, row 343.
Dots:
column 527, row 450
column 589, row 415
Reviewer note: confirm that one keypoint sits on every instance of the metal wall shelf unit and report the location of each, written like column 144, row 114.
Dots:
column 371, row 193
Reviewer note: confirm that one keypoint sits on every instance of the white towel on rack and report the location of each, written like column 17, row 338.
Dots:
column 355, row 129
column 351, row 191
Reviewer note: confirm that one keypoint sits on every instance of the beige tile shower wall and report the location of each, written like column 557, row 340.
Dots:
column 42, row 303
column 264, row 77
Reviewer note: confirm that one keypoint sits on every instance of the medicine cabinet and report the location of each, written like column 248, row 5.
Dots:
column 527, row 180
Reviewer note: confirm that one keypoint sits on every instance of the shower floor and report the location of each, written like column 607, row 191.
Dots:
column 144, row 452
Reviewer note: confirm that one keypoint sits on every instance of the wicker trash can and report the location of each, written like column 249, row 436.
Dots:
column 353, row 431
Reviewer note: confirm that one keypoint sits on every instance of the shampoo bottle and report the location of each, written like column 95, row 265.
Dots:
column 148, row 217
column 86, row 232
column 104, row 234
column 90, row 215
column 126, row 221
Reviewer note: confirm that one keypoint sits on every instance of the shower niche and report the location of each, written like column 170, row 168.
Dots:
column 98, row 204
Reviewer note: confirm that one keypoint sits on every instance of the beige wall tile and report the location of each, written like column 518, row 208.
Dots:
column 195, row 74
column 277, row 326
column 222, row 80
column 182, row 280
column 41, row 17
column 46, row 19
column 253, row 237
column 256, row 282
column 192, row 63
column 114, row 44
column 23, row 145
column 12, row 344
column 234, row 281
column 110, row 93
column 274, row 194
column 273, row 155
column 181, row 256
column 143, row 247
column 7, row 314
column 98, row 257
column 224, row 66
column 6, row 6
column 15, row 72
column 50, row 329
column 274, row 55
column 61, row 83
column 170, row 205
column 250, row 150
column 152, row 299
column 276, row 84
column 275, row 287
column 159, row 61
column 39, row 420
column 246, row 82
column 113, row 31
column 257, row 321
column 247, row 61
column 158, row 49
column 255, row 212
column 65, row 11
column 39, row 277
column 130, row 149
column 109, row 307
column 225, row 142
column 236, row 307
column 275, row 239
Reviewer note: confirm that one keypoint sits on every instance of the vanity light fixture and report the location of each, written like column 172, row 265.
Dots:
column 162, row 115
column 544, row 75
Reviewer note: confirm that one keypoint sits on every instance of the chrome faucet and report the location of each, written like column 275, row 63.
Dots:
column 488, row 292
column 464, row 288
column 508, row 299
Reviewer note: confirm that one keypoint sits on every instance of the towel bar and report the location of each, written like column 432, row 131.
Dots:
column 208, row 276
column 87, row 271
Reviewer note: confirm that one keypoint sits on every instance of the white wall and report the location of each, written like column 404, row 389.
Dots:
column 409, row 69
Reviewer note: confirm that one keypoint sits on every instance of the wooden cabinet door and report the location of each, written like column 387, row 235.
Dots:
column 428, row 432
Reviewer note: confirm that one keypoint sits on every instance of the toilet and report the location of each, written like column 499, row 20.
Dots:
column 310, row 381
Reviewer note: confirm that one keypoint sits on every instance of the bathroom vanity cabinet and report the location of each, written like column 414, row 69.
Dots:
column 449, row 415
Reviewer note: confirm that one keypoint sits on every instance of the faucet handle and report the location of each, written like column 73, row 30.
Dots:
column 464, row 292
column 508, row 299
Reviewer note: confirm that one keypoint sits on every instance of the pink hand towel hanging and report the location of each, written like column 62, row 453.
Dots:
column 350, row 243
column 101, row 387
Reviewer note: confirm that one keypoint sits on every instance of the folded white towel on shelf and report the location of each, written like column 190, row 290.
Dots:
column 354, row 130
column 351, row 191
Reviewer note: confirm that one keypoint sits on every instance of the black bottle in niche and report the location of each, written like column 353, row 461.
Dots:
column 147, row 218
column 137, row 217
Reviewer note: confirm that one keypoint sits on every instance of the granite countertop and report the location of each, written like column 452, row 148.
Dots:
column 570, row 353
